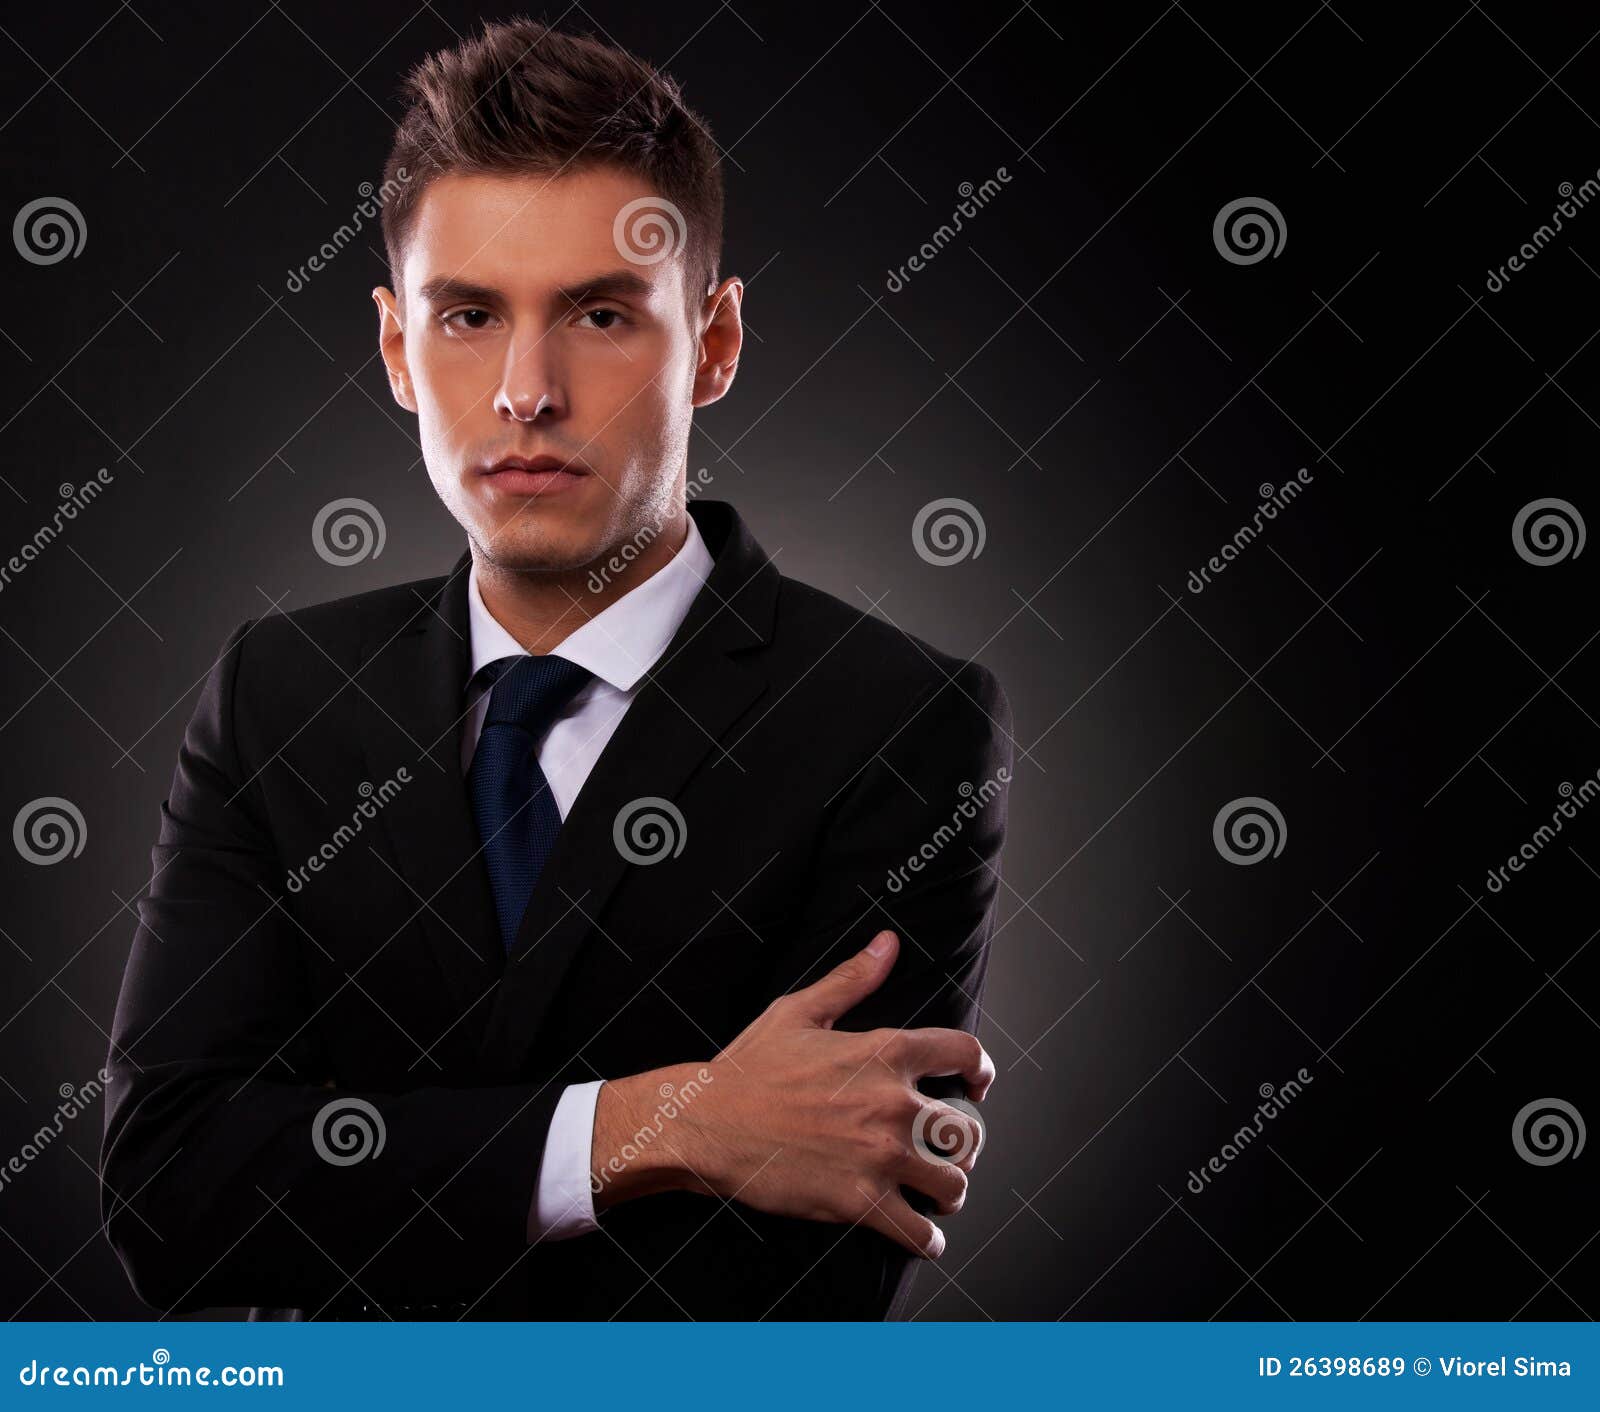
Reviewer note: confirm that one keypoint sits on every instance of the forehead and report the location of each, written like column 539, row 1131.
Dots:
column 528, row 232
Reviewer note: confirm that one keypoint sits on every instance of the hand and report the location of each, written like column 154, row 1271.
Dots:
column 801, row 1120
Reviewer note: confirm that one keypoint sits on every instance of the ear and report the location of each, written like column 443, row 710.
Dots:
column 721, row 338
column 392, row 345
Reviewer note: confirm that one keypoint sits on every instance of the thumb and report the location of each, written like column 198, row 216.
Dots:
column 848, row 983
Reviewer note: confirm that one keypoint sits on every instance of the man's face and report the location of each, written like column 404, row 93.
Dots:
column 527, row 332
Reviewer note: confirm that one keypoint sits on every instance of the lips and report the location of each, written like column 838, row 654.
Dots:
column 532, row 475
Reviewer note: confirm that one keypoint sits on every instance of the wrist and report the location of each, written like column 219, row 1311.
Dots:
column 643, row 1140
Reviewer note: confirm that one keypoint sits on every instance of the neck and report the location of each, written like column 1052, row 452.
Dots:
column 541, row 609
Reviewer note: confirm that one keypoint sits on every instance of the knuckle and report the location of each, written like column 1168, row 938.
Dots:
column 850, row 970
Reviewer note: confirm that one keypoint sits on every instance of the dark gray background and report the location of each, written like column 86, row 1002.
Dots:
column 1084, row 367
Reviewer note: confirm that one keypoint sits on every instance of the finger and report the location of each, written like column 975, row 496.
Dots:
column 944, row 1135
column 931, row 1052
column 945, row 1182
column 848, row 983
column 893, row 1218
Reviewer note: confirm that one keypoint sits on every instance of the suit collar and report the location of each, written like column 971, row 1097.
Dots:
column 686, row 702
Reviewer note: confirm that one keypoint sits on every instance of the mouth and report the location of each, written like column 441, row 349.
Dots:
column 532, row 475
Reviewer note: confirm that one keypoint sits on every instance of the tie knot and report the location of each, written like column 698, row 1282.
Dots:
column 530, row 691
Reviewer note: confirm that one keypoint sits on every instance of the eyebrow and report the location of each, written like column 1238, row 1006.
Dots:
column 613, row 284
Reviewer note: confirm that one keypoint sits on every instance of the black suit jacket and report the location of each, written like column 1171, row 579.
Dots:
column 811, row 750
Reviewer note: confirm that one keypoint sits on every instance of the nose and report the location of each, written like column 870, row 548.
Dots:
column 531, row 386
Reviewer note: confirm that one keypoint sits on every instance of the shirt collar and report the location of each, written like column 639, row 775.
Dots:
column 623, row 641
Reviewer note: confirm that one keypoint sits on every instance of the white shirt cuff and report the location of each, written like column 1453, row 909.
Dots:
column 563, row 1202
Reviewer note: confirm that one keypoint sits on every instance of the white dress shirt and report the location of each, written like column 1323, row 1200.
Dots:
column 618, row 646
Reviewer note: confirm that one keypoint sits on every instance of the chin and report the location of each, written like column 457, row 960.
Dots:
column 540, row 542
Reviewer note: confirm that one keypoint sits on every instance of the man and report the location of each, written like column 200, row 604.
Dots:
column 568, row 936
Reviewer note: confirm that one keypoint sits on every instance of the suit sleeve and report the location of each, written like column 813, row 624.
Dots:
column 914, row 846
column 229, row 1164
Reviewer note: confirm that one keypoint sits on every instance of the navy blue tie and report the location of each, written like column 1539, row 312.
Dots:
column 516, row 814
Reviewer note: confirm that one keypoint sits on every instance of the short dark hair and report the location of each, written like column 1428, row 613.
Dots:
column 525, row 98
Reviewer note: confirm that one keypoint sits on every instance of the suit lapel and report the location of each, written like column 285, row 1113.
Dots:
column 418, row 676
column 686, row 705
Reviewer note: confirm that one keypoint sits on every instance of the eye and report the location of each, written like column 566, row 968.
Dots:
column 471, row 320
column 613, row 317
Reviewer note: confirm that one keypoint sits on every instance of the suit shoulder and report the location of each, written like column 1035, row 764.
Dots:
column 339, row 627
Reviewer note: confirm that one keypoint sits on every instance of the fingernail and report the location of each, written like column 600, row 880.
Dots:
column 878, row 945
